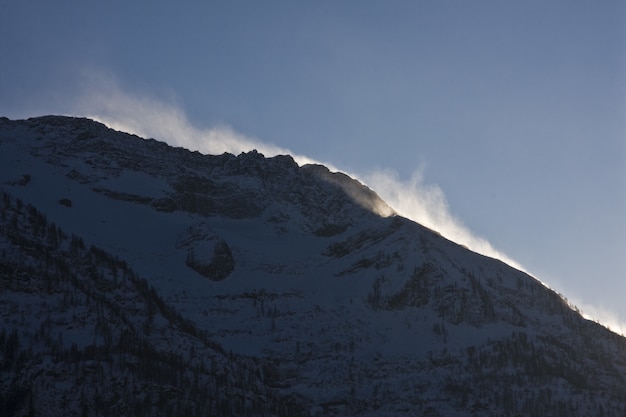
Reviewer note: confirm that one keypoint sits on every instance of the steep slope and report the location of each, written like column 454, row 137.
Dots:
column 153, row 280
column 88, row 335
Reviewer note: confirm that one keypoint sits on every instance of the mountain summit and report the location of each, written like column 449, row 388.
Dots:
column 140, row 279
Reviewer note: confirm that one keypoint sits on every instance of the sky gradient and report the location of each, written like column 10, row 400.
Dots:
column 505, row 118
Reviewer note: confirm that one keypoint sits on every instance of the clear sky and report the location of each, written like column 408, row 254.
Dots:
column 506, row 118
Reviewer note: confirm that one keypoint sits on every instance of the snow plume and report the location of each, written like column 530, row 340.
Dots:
column 600, row 315
column 103, row 100
column 426, row 204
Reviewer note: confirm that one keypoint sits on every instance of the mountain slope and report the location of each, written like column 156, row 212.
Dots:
column 141, row 279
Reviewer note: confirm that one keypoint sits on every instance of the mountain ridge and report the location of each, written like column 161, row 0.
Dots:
column 337, row 305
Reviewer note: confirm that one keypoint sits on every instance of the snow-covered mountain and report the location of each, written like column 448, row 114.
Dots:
column 140, row 279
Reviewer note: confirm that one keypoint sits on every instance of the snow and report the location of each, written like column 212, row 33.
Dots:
column 291, row 302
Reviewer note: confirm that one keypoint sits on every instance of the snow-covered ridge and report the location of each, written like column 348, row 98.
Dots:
column 154, row 280
column 277, row 180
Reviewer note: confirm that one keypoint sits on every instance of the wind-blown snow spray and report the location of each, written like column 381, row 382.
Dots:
column 103, row 100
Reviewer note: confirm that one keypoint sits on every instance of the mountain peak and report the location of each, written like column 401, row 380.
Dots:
column 140, row 278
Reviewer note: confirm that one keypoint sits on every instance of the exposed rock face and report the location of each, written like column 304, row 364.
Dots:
column 218, row 266
column 207, row 253
column 140, row 279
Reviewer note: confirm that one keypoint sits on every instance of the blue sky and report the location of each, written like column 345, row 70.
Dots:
column 510, row 117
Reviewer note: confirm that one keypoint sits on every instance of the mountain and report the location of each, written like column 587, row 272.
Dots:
column 137, row 279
